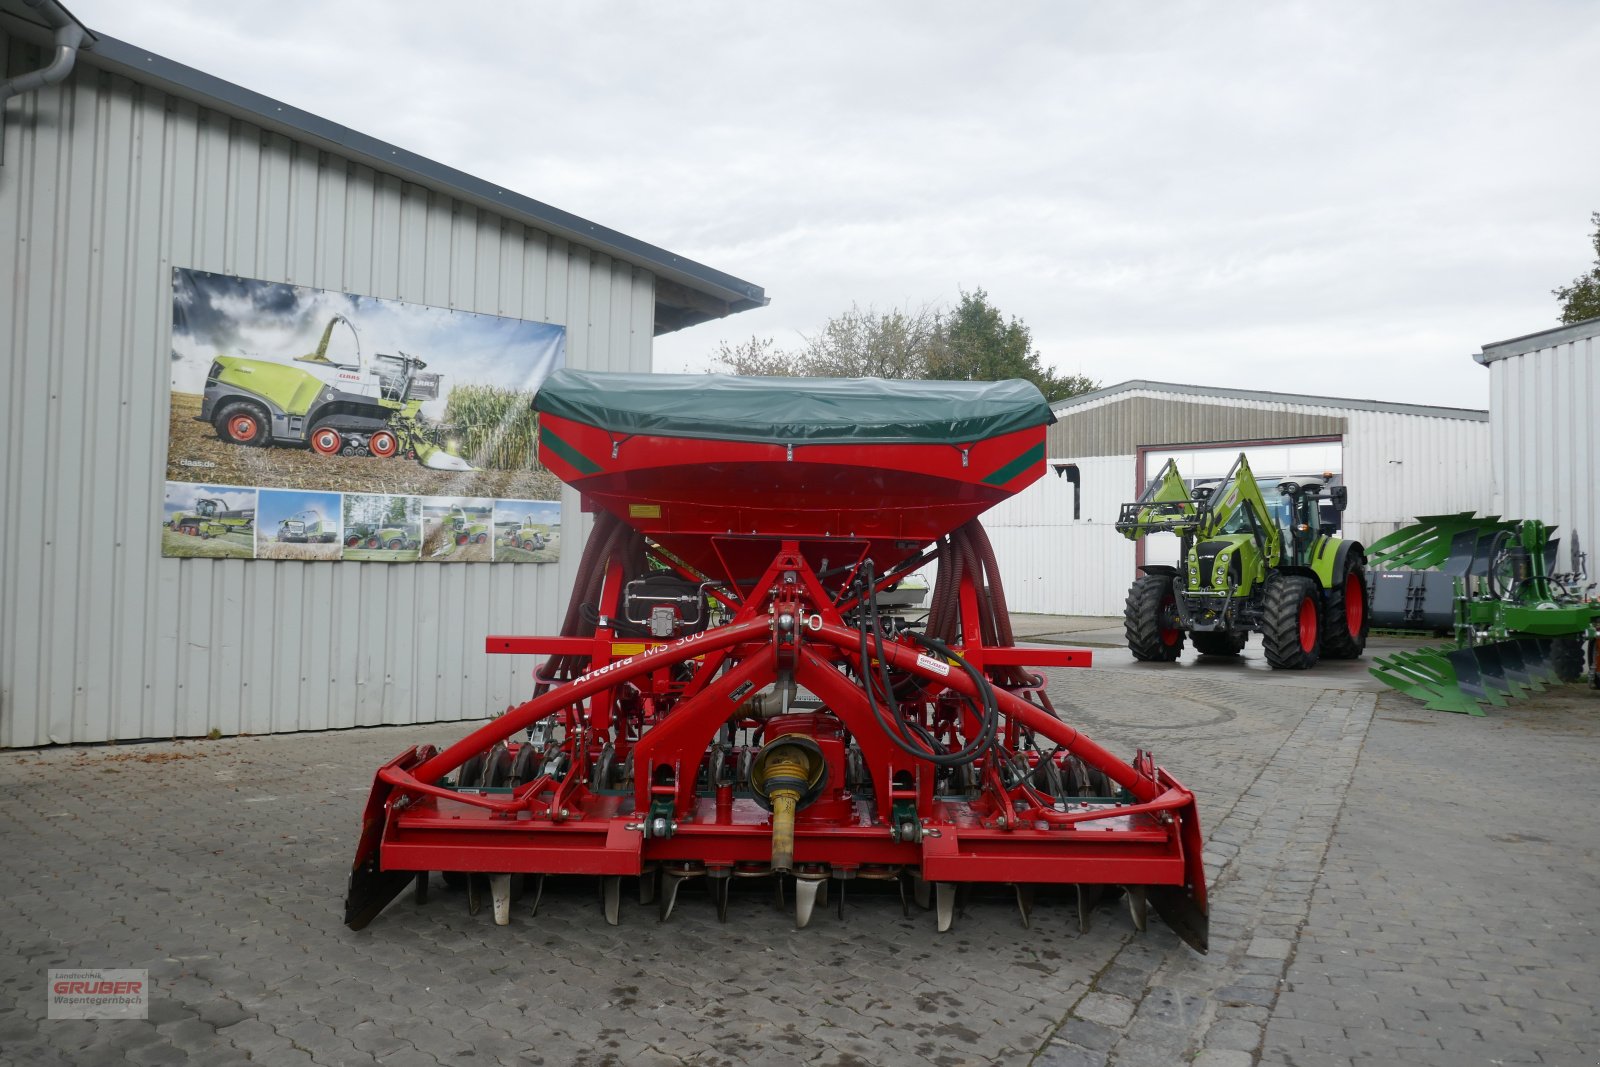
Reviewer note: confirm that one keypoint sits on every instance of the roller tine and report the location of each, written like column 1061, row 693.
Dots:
column 500, row 892
column 475, row 889
column 920, row 892
column 648, row 881
column 905, row 899
column 1138, row 906
column 1024, row 903
column 805, row 899
column 421, row 894
column 538, row 893
column 944, row 894
column 719, row 895
column 777, row 892
column 669, row 893
column 822, row 893
column 841, row 901
column 1088, row 898
column 611, row 892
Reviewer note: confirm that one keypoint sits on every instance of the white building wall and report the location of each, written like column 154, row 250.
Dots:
column 105, row 187
column 1401, row 466
column 1398, row 466
column 1544, row 405
column 1054, row 564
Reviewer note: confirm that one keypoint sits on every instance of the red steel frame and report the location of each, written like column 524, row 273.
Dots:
column 665, row 704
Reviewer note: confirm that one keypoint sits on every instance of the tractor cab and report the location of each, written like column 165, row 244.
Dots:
column 1303, row 516
column 400, row 379
column 207, row 507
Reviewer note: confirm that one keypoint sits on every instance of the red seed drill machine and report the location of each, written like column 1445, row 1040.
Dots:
column 735, row 693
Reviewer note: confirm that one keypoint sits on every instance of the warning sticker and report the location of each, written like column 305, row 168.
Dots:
column 937, row 666
column 644, row 511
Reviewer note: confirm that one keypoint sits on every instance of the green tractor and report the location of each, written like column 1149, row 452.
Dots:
column 307, row 527
column 393, row 538
column 365, row 408
column 1246, row 565
column 464, row 529
column 212, row 518
column 529, row 536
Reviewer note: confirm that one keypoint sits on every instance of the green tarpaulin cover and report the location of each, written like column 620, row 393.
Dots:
column 812, row 410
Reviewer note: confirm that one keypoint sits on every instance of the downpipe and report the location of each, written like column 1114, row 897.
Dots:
column 69, row 38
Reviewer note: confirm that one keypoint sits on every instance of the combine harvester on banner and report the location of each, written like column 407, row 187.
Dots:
column 730, row 696
column 1519, row 625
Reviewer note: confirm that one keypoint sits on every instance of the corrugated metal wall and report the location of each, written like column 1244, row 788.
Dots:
column 1398, row 465
column 1121, row 425
column 1546, row 444
column 106, row 186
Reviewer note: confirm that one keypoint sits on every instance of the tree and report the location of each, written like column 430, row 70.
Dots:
column 1581, row 299
column 972, row 343
column 866, row 344
column 981, row 345
column 759, row 356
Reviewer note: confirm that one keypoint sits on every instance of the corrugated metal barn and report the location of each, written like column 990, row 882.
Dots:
column 1544, row 401
column 1056, row 541
column 135, row 165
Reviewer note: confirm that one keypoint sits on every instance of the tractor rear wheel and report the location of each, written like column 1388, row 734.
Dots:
column 1220, row 643
column 243, row 423
column 1150, row 620
column 1291, row 622
column 1344, row 614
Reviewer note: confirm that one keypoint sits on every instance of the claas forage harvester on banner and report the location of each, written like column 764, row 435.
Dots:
column 727, row 697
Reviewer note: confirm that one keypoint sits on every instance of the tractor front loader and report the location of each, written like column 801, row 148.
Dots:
column 1244, row 566
column 730, row 698
column 366, row 408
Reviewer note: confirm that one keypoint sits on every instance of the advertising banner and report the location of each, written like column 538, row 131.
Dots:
column 317, row 425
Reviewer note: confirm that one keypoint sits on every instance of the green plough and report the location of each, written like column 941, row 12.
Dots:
column 1519, row 625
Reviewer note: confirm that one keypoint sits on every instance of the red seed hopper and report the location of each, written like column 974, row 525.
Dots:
column 746, row 686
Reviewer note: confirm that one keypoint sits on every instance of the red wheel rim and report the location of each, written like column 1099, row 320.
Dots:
column 1308, row 624
column 326, row 442
column 1355, row 605
column 372, row 542
column 1169, row 634
column 351, row 542
column 383, row 444
column 461, row 539
column 243, row 427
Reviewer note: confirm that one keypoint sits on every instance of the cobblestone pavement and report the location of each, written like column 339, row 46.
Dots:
column 1388, row 885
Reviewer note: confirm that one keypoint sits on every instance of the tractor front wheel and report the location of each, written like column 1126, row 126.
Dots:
column 1220, row 642
column 1150, row 620
column 395, row 544
column 242, row 423
column 480, row 539
column 1344, row 614
column 1291, row 622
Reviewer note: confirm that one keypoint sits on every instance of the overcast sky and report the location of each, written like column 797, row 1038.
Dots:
column 1344, row 198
